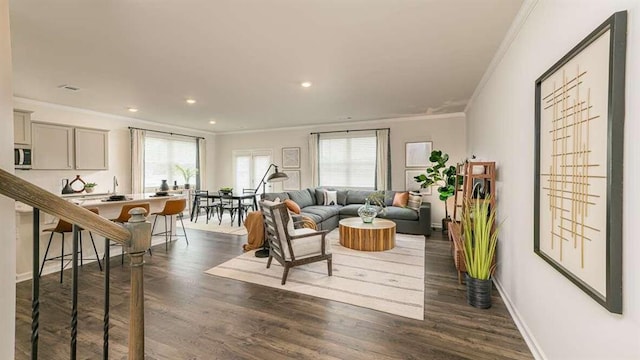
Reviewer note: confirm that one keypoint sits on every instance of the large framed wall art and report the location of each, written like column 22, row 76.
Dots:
column 579, row 115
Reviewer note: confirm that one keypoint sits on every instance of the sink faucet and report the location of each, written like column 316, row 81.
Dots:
column 115, row 184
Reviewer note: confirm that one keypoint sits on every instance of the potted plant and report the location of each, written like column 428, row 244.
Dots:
column 442, row 175
column 480, row 237
column 226, row 190
column 89, row 187
column 187, row 173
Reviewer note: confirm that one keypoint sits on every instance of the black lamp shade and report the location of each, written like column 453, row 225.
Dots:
column 277, row 177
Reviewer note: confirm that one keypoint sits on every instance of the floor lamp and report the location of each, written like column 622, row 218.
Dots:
column 275, row 177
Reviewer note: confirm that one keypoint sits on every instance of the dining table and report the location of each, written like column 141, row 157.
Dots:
column 236, row 198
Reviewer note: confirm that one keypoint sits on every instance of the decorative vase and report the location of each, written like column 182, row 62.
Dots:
column 175, row 185
column 66, row 188
column 89, row 190
column 164, row 186
column 478, row 292
column 367, row 212
column 187, row 186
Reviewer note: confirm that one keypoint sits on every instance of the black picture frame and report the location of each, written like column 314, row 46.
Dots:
column 616, row 25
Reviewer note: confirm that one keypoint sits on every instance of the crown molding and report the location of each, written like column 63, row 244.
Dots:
column 350, row 123
column 112, row 116
column 512, row 33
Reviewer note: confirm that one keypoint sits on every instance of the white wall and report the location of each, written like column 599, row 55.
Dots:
column 562, row 321
column 119, row 146
column 7, row 215
column 447, row 132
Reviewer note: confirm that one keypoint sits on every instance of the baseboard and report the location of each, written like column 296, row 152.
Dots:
column 54, row 267
column 436, row 226
column 528, row 337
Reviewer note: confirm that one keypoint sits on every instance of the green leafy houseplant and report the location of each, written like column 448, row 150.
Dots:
column 187, row 174
column 89, row 187
column 441, row 175
column 480, row 237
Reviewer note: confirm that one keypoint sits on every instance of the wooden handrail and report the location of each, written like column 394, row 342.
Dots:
column 18, row 189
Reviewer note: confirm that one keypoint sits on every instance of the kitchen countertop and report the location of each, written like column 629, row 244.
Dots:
column 98, row 201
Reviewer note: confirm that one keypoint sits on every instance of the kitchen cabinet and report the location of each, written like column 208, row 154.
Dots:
column 22, row 127
column 52, row 147
column 91, row 149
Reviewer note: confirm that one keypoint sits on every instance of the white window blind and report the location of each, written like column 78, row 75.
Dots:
column 347, row 161
column 161, row 154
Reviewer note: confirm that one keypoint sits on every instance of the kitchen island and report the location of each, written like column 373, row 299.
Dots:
column 107, row 209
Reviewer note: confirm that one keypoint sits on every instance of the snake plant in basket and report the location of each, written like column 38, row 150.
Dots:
column 480, row 237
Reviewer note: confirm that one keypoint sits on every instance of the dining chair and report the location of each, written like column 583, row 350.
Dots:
column 203, row 201
column 227, row 203
column 247, row 204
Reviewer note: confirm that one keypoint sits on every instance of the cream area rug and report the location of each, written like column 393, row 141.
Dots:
column 391, row 281
column 225, row 227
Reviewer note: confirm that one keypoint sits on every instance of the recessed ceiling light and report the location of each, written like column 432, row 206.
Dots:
column 212, row 122
column 191, row 101
column 131, row 109
column 306, row 84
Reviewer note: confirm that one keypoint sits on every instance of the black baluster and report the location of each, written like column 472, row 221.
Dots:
column 35, row 285
column 105, row 336
column 74, row 292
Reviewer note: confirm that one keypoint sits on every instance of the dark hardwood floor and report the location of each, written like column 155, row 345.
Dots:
column 191, row 315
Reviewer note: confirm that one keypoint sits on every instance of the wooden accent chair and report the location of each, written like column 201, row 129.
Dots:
column 292, row 247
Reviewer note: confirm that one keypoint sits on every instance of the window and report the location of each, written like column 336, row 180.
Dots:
column 162, row 154
column 249, row 167
column 347, row 161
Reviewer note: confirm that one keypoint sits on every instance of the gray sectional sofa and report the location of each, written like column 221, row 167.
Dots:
column 311, row 202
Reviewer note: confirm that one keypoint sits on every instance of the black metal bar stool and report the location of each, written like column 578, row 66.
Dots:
column 62, row 228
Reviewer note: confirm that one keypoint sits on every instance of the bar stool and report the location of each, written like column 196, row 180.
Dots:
column 124, row 217
column 61, row 228
column 171, row 208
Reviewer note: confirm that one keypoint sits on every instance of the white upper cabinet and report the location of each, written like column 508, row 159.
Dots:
column 22, row 127
column 52, row 147
column 91, row 149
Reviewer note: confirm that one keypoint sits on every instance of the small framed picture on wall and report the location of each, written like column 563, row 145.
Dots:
column 293, row 182
column 412, row 185
column 417, row 154
column 291, row 157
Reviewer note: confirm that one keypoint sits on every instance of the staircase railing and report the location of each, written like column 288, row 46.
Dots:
column 135, row 237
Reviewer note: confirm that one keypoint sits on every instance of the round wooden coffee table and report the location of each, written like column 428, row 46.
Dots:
column 377, row 236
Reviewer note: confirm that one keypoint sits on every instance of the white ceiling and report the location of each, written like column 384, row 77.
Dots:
column 243, row 60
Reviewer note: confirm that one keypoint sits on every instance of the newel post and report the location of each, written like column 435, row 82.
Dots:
column 138, row 244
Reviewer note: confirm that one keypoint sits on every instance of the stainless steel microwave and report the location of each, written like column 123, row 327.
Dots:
column 22, row 158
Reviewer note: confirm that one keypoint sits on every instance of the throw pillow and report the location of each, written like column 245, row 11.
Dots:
column 401, row 199
column 330, row 197
column 292, row 206
column 415, row 200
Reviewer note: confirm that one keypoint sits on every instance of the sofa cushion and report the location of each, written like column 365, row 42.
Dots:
column 324, row 212
column 330, row 197
column 272, row 196
column 401, row 199
column 388, row 197
column 350, row 210
column 302, row 198
column 342, row 196
column 415, row 200
column 316, row 218
column 358, row 196
column 292, row 206
column 398, row 213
